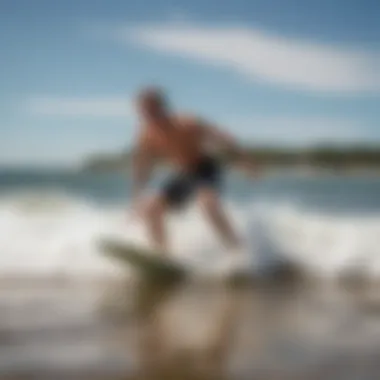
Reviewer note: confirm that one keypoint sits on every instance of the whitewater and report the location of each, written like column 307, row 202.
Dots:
column 56, row 233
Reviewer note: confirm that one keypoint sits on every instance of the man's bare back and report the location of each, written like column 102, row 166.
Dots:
column 180, row 140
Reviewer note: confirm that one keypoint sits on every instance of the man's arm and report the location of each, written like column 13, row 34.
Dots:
column 229, row 144
column 142, row 165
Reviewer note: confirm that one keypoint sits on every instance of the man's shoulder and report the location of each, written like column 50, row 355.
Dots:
column 188, row 120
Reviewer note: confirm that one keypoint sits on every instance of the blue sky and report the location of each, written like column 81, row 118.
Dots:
column 294, row 72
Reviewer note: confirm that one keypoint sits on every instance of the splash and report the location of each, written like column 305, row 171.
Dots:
column 53, row 233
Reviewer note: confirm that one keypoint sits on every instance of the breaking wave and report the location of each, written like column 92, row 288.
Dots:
column 54, row 233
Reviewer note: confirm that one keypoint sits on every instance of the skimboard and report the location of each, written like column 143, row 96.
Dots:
column 149, row 263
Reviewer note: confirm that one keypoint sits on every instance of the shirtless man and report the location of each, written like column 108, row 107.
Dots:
column 180, row 140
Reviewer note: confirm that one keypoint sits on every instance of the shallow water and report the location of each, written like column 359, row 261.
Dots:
column 84, row 330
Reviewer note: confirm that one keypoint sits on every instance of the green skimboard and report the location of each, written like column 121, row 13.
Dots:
column 148, row 263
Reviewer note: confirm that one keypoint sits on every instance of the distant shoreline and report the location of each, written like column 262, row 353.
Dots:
column 309, row 162
column 313, row 161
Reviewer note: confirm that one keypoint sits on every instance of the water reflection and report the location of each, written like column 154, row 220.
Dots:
column 183, row 335
column 182, row 331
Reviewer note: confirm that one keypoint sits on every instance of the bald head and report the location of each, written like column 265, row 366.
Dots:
column 151, row 103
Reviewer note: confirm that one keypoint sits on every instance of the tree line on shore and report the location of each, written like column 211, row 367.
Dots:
column 321, row 156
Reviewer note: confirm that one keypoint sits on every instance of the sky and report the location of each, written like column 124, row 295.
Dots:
column 271, row 72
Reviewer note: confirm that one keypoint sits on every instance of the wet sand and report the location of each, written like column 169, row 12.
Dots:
column 66, row 330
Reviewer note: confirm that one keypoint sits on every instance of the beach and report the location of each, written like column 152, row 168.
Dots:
column 312, row 310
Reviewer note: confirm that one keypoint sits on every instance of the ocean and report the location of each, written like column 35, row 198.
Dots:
column 63, row 317
column 329, row 226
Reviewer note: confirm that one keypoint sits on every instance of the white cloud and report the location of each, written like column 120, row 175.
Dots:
column 73, row 107
column 263, row 57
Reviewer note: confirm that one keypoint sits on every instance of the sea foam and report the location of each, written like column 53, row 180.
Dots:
column 47, row 234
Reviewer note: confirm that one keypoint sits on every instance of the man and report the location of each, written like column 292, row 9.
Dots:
column 182, row 141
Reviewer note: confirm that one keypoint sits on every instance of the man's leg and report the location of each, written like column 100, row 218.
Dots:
column 210, row 203
column 174, row 194
column 154, row 219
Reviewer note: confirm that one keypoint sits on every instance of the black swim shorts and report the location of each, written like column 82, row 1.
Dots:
column 181, row 186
